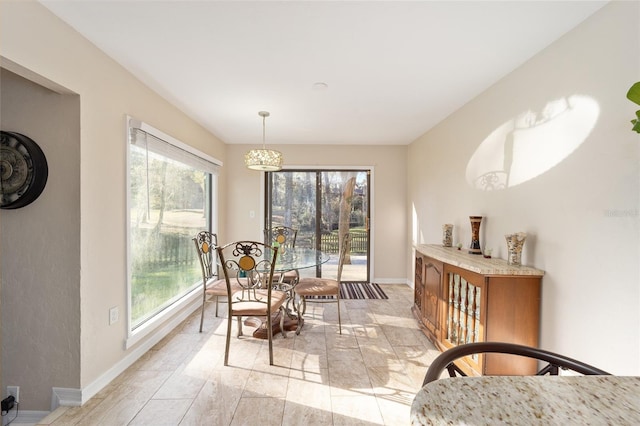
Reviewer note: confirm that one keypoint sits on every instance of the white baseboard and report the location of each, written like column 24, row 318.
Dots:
column 387, row 281
column 67, row 397
column 24, row 417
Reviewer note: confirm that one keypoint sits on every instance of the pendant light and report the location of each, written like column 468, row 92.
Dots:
column 266, row 160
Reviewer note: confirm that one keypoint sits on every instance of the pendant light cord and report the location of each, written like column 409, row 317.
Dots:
column 264, row 115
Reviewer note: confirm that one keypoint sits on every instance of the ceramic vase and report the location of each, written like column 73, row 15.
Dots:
column 474, row 248
column 447, row 235
column 514, row 247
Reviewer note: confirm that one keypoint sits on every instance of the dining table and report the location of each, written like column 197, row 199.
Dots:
column 529, row 400
column 287, row 259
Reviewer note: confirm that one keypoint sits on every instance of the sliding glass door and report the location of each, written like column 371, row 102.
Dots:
column 322, row 205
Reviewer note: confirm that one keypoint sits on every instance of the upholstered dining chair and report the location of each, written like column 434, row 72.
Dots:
column 212, row 286
column 283, row 237
column 315, row 287
column 248, row 265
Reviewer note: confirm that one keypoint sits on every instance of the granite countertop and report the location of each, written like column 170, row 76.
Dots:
column 527, row 400
column 473, row 262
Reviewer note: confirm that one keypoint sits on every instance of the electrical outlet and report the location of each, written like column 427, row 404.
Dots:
column 114, row 314
column 15, row 391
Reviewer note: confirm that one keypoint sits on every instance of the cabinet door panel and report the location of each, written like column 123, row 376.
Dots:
column 465, row 308
column 418, row 285
column 431, row 300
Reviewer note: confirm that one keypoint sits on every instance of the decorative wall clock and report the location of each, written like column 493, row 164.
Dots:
column 23, row 168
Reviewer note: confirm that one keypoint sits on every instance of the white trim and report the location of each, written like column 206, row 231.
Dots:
column 152, row 325
column 132, row 122
column 390, row 281
column 68, row 397
column 24, row 417
column 323, row 167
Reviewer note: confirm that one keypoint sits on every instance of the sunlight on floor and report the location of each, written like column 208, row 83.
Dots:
column 368, row 375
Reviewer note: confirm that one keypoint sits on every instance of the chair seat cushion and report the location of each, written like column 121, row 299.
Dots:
column 255, row 308
column 218, row 287
column 288, row 276
column 317, row 287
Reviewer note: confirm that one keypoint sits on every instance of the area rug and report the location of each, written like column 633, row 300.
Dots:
column 358, row 291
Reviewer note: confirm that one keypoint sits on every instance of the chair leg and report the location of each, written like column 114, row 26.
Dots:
column 240, row 327
column 204, row 298
column 226, row 348
column 303, row 304
column 270, row 337
column 283, row 312
column 339, row 320
column 217, row 298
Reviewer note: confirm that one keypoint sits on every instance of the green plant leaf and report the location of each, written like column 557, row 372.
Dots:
column 634, row 93
column 636, row 125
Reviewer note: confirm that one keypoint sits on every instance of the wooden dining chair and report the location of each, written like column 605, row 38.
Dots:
column 212, row 286
column 283, row 237
column 248, row 265
column 315, row 288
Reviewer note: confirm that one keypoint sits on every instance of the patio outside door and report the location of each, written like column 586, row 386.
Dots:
column 322, row 204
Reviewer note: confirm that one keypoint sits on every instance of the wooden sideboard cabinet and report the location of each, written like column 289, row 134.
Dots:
column 427, row 294
column 463, row 298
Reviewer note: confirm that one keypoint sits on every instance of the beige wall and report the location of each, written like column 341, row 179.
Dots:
column 37, row 44
column 582, row 214
column 388, row 164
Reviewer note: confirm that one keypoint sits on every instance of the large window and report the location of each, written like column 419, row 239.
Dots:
column 171, row 193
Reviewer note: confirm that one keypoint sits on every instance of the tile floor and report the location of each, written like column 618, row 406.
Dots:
column 366, row 376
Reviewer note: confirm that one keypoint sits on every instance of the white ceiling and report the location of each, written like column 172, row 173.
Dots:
column 394, row 69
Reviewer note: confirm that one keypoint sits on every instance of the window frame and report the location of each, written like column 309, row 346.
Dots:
column 151, row 325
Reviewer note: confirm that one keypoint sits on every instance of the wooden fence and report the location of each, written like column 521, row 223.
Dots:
column 163, row 249
column 329, row 243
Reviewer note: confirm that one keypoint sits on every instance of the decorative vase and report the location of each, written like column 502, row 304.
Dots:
column 514, row 247
column 447, row 235
column 474, row 248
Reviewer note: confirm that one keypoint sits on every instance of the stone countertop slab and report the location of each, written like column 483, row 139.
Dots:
column 474, row 262
column 529, row 400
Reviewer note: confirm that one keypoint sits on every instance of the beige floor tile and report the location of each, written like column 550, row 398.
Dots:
column 349, row 380
column 259, row 411
column 182, row 384
column 262, row 384
column 162, row 412
column 377, row 352
column 218, row 399
column 122, row 405
column 392, row 380
column 356, row 410
column 394, row 412
column 74, row 415
column 307, row 403
column 335, row 340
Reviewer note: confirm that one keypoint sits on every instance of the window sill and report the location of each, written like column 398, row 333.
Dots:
column 168, row 319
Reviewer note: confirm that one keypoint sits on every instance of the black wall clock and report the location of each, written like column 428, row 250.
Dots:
column 23, row 168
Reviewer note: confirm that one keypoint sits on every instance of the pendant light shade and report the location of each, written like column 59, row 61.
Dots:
column 266, row 160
